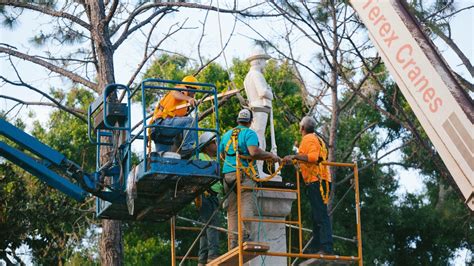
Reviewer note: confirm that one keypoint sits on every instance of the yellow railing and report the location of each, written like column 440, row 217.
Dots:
column 291, row 223
column 298, row 222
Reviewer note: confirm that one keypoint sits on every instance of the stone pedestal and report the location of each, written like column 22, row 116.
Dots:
column 272, row 205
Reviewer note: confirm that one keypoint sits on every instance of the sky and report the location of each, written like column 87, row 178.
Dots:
column 218, row 26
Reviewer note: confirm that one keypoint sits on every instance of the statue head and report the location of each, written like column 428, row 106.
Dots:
column 258, row 58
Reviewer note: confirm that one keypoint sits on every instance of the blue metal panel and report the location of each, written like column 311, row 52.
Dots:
column 30, row 143
column 42, row 172
column 112, row 88
column 151, row 84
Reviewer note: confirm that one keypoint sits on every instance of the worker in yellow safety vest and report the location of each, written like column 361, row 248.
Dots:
column 209, row 203
column 166, row 114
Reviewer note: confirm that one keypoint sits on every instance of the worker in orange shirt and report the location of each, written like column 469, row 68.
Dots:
column 166, row 114
column 317, row 178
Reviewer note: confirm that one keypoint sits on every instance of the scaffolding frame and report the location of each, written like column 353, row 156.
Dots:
column 298, row 222
column 295, row 224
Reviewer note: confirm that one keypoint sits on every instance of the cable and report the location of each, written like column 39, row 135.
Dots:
column 222, row 46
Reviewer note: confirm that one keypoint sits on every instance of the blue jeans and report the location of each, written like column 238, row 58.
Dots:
column 169, row 134
column 322, row 231
column 209, row 241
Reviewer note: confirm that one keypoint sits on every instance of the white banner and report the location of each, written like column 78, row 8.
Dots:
column 425, row 89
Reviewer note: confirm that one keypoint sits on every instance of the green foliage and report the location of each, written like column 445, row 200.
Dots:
column 31, row 206
column 409, row 229
column 14, row 213
column 148, row 242
column 144, row 246
column 426, row 235
column 169, row 67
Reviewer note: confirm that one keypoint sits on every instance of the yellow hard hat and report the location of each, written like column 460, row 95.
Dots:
column 191, row 79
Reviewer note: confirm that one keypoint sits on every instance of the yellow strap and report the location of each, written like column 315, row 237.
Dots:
column 259, row 180
column 165, row 113
column 198, row 201
column 324, row 196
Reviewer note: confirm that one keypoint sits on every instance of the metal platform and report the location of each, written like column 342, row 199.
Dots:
column 161, row 191
column 325, row 262
column 231, row 258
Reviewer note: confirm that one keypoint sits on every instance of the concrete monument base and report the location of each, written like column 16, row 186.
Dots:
column 272, row 205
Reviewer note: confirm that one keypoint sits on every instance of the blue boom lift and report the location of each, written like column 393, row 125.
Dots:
column 154, row 190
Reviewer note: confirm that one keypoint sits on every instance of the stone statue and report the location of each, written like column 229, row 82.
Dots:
column 274, row 205
column 260, row 98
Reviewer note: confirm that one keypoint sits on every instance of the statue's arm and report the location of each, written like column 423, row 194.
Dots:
column 263, row 90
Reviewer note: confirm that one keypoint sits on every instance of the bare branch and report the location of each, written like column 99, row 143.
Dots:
column 373, row 162
column 51, row 58
column 356, row 138
column 147, row 55
column 285, row 55
column 210, row 110
column 127, row 32
column 173, row 5
column 46, row 10
column 220, row 52
column 466, row 62
column 455, row 12
column 112, row 10
column 74, row 112
column 202, row 37
column 72, row 76
column 243, row 12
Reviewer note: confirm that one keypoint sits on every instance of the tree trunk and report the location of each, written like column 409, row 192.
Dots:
column 335, row 106
column 111, row 248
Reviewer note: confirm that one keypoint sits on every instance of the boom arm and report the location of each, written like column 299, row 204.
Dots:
column 50, row 158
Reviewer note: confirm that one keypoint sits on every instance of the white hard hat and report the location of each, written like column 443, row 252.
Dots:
column 258, row 53
column 206, row 137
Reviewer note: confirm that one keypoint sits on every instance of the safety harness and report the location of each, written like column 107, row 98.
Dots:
column 250, row 169
column 234, row 141
column 323, row 155
column 164, row 109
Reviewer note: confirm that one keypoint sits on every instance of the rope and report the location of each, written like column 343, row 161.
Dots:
column 271, row 176
column 222, row 46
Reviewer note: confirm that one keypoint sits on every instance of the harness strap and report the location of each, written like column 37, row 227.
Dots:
column 165, row 113
column 234, row 140
column 324, row 196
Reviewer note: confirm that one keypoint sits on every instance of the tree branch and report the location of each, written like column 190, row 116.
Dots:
column 455, row 48
column 356, row 138
column 147, row 55
column 372, row 163
column 127, row 32
column 74, row 112
column 49, row 66
column 46, row 10
column 112, row 10
column 210, row 110
column 243, row 12
column 220, row 52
